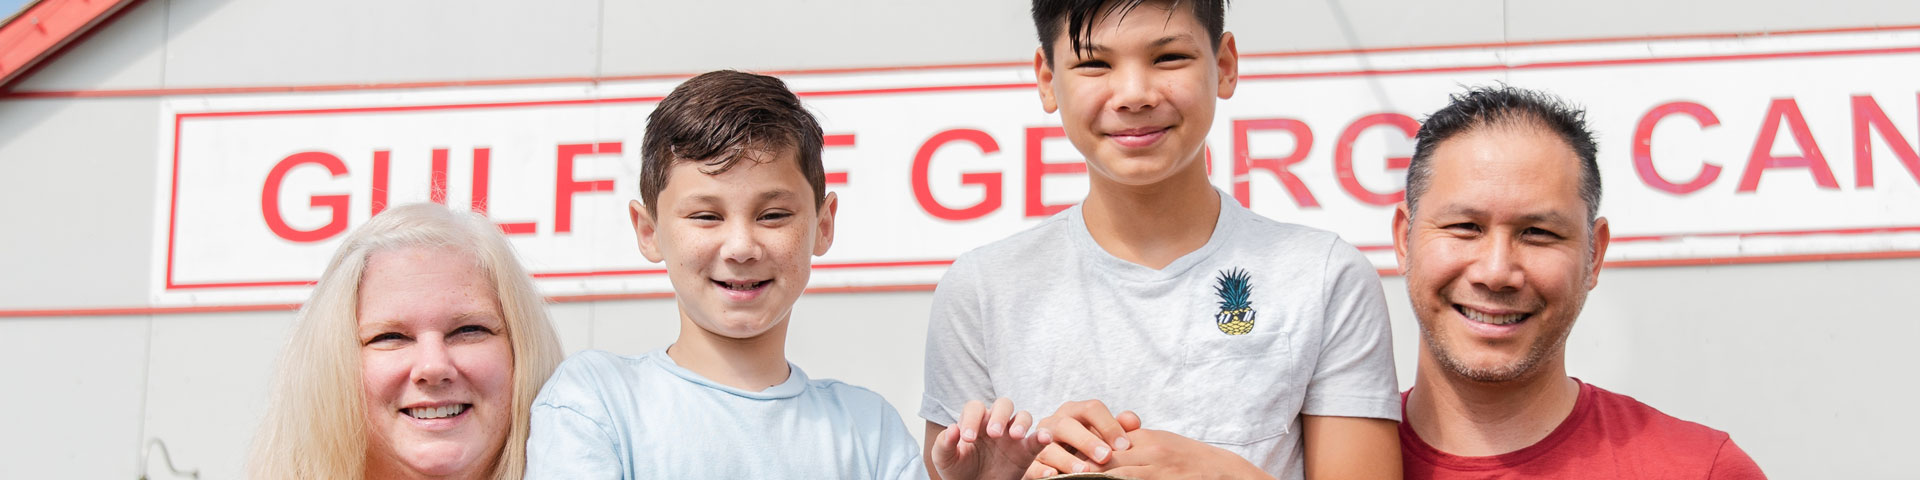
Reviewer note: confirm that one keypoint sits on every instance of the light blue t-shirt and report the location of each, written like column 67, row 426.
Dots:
column 603, row 415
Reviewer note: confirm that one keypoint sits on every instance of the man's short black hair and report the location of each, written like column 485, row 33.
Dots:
column 1506, row 107
column 1080, row 15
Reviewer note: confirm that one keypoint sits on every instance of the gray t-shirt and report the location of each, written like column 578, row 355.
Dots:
column 1047, row 316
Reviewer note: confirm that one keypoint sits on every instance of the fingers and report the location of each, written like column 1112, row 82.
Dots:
column 1039, row 470
column 969, row 423
column 997, row 419
column 1129, row 421
column 1057, row 460
column 1022, row 423
column 1072, row 435
column 1031, row 444
column 1104, row 433
column 1108, row 428
column 945, row 448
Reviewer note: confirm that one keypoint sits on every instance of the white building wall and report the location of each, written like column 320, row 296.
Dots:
column 1800, row 362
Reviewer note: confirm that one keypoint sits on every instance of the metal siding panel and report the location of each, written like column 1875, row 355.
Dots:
column 1528, row 21
column 210, row 378
column 217, row 43
column 74, row 389
column 1310, row 26
column 78, row 188
column 692, row 37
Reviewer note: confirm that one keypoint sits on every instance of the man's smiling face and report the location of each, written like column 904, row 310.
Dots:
column 1500, row 256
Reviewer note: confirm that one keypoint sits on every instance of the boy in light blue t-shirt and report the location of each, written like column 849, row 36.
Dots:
column 735, row 207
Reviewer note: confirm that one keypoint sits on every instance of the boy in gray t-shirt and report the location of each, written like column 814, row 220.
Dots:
column 1251, row 347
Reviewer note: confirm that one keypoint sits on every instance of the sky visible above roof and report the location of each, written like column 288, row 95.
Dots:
column 10, row 7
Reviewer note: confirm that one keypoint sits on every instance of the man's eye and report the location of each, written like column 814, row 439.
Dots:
column 1469, row 227
column 1173, row 57
column 1091, row 64
column 1540, row 233
column 704, row 217
column 775, row 216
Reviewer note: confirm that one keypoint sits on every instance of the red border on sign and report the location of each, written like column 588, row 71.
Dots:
column 170, row 284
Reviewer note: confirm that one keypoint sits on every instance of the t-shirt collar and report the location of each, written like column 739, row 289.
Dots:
column 1411, row 442
column 796, row 380
column 1085, row 247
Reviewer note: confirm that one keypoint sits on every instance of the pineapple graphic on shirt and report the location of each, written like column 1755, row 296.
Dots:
column 1234, row 287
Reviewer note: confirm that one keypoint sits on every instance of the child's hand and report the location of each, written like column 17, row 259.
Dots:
column 1086, row 434
column 1158, row 454
column 987, row 445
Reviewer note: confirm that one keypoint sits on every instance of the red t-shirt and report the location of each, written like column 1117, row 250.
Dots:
column 1607, row 436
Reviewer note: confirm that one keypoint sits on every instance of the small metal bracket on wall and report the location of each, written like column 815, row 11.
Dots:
column 167, row 457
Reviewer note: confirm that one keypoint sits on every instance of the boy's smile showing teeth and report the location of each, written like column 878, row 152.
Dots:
column 742, row 285
column 742, row 290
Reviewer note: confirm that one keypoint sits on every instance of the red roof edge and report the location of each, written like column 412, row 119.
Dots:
column 43, row 27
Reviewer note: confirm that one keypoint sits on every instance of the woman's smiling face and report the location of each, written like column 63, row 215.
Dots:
column 436, row 364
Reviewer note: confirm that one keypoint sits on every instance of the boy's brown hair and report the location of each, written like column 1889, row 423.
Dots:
column 722, row 117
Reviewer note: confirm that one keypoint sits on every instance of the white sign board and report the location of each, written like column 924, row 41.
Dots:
column 1711, row 150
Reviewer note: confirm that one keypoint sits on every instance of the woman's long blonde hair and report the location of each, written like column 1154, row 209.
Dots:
column 315, row 422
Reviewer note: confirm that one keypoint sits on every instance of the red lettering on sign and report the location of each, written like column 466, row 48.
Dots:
column 1038, row 168
column 1643, row 148
column 1244, row 163
column 923, row 194
column 1343, row 157
column 482, row 172
column 839, row 140
column 565, row 186
column 381, row 165
column 1762, row 159
column 335, row 204
column 438, row 189
column 1867, row 116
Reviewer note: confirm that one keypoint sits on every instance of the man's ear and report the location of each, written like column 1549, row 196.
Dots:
column 1602, row 235
column 643, row 230
column 823, row 236
column 1402, row 223
column 1043, row 75
column 1227, row 61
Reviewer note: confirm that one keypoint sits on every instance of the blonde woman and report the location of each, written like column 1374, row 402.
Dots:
column 417, row 356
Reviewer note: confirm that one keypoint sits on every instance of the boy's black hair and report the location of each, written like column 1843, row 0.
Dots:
column 1506, row 107
column 721, row 117
column 1080, row 15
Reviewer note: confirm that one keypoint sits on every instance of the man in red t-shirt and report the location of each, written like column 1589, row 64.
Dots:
column 1500, row 240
